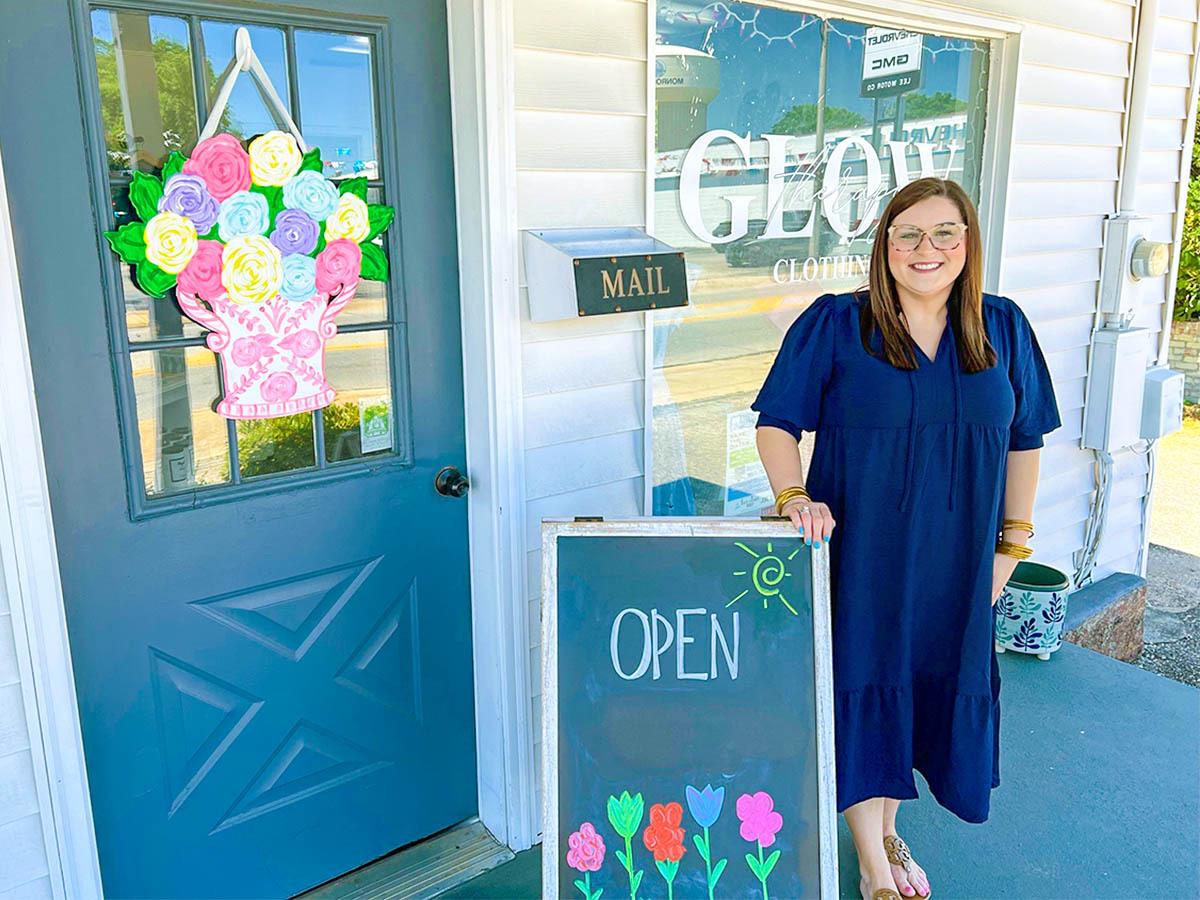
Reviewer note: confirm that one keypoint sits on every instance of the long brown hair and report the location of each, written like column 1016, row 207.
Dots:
column 964, row 305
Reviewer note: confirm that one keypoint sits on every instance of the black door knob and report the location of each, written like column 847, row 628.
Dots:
column 449, row 482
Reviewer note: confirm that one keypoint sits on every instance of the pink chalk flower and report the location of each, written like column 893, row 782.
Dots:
column 202, row 275
column 338, row 265
column 223, row 164
column 760, row 822
column 587, row 849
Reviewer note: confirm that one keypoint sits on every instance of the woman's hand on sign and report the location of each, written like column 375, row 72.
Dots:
column 812, row 519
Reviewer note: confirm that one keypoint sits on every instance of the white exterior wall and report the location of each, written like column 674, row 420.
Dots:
column 24, row 868
column 581, row 97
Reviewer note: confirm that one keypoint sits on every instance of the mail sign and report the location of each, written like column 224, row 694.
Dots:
column 575, row 272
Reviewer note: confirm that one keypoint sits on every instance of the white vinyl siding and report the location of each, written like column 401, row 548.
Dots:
column 24, row 867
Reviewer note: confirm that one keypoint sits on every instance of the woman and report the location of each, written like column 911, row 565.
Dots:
column 929, row 400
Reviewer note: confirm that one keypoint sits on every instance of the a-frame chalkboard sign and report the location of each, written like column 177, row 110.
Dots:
column 687, row 711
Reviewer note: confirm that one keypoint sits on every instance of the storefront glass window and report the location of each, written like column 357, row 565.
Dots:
column 779, row 138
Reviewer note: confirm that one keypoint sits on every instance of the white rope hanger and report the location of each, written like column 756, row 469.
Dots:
column 246, row 60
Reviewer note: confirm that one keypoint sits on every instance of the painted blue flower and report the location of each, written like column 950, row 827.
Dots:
column 705, row 805
column 299, row 278
column 242, row 214
column 310, row 192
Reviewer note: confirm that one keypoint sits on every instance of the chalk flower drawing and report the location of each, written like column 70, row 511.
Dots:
column 767, row 576
column 664, row 838
column 705, row 807
column 760, row 824
column 625, row 815
column 586, row 854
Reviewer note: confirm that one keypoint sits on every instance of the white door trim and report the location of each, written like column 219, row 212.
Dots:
column 482, row 103
column 29, row 573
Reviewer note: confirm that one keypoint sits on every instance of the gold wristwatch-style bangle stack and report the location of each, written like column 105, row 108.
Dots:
column 789, row 493
column 1009, row 548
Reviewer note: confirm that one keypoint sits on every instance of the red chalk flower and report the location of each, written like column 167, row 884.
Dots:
column 664, row 836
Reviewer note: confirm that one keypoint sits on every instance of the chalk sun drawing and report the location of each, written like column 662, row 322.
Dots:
column 767, row 576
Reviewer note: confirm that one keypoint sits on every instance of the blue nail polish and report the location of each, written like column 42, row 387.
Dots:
column 817, row 545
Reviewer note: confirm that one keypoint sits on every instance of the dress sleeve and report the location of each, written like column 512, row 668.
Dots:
column 1036, row 411
column 790, row 397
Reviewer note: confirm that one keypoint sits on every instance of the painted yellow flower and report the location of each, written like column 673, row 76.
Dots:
column 170, row 241
column 274, row 158
column 349, row 221
column 251, row 269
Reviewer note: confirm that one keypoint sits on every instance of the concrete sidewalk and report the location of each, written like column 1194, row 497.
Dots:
column 1099, row 795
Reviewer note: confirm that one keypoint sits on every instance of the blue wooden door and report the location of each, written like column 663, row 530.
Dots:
column 269, row 621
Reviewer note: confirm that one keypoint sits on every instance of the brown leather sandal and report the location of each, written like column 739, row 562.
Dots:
column 898, row 855
column 880, row 893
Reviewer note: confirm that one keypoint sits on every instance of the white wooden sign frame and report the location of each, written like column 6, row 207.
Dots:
column 686, row 526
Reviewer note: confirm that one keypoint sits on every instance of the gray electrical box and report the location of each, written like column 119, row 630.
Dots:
column 1112, row 418
column 1162, row 408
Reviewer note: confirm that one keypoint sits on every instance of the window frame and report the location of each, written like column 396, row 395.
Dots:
column 141, row 505
column 1003, row 34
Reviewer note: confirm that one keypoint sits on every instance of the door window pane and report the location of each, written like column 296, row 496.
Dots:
column 184, row 443
column 755, row 69
column 337, row 101
column 147, row 94
column 270, row 446
column 360, row 421
column 247, row 113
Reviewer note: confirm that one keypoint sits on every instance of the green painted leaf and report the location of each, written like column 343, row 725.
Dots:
column 173, row 165
column 153, row 280
column 770, row 864
column 614, row 809
column 637, row 880
column 375, row 268
column 716, row 872
column 380, row 217
column 621, row 859
column 356, row 186
column 312, row 161
column 582, row 887
column 752, row 862
column 214, row 234
column 274, row 195
column 596, row 896
column 144, row 193
column 129, row 241
column 701, row 847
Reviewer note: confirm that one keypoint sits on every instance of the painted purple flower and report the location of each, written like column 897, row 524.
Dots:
column 705, row 805
column 295, row 232
column 187, row 195
column 760, row 822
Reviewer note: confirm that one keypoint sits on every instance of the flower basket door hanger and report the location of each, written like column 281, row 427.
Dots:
column 262, row 250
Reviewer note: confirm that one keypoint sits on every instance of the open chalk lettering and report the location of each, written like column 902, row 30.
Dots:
column 657, row 634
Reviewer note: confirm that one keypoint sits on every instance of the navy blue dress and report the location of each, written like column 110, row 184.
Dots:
column 913, row 467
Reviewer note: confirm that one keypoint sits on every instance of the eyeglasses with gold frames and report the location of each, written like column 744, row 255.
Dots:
column 946, row 236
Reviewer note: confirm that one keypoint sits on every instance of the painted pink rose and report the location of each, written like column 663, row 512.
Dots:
column 760, row 822
column 247, row 351
column 337, row 265
column 278, row 387
column 222, row 163
column 587, row 849
column 304, row 343
column 202, row 275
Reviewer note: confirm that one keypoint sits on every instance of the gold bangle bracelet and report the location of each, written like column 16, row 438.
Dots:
column 1018, row 551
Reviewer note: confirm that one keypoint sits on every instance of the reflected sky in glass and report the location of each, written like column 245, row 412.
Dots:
column 337, row 105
